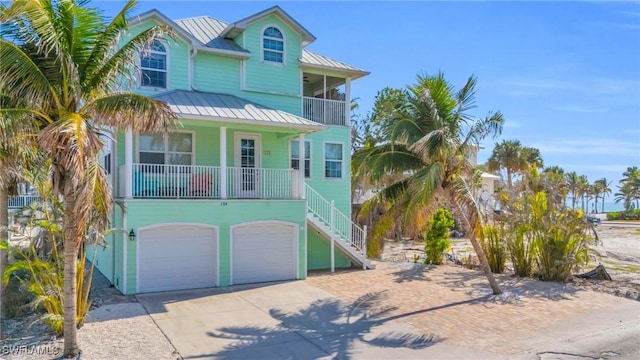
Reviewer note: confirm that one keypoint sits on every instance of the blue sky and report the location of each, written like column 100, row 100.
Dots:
column 566, row 75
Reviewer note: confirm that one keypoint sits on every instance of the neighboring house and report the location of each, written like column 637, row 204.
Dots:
column 222, row 199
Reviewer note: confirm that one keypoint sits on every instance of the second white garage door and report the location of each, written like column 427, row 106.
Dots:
column 263, row 252
column 177, row 257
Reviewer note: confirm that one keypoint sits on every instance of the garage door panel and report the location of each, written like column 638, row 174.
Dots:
column 176, row 258
column 264, row 252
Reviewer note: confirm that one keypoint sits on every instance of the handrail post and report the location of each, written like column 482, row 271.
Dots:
column 364, row 248
column 333, row 236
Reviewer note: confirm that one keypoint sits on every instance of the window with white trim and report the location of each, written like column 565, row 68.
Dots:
column 333, row 160
column 153, row 65
column 273, row 45
column 295, row 157
column 174, row 148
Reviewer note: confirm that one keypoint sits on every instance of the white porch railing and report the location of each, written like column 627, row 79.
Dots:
column 328, row 112
column 203, row 182
column 262, row 183
column 339, row 223
column 20, row 201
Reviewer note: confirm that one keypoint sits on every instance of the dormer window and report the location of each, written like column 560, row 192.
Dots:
column 273, row 45
column 153, row 65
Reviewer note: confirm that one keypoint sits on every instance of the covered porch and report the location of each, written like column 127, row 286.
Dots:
column 225, row 148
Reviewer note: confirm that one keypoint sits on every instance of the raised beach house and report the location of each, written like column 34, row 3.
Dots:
column 254, row 185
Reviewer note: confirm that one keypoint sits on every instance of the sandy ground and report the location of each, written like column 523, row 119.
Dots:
column 119, row 328
column 618, row 250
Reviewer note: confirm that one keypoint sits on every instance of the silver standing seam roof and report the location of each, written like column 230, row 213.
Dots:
column 228, row 108
column 207, row 30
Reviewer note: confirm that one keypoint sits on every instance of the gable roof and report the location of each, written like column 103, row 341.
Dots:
column 210, row 35
column 224, row 46
column 207, row 30
column 239, row 26
column 199, row 105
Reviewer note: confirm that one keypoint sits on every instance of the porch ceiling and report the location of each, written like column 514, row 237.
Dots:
column 231, row 109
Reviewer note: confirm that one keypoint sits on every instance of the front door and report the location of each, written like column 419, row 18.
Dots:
column 247, row 169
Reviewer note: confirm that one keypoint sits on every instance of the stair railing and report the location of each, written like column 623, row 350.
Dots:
column 340, row 223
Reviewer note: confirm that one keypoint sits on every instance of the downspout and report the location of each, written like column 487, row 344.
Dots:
column 193, row 51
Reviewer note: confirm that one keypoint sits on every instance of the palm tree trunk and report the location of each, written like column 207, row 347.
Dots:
column 509, row 178
column 71, row 238
column 482, row 258
column 4, row 236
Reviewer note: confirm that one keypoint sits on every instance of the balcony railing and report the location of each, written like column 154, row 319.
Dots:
column 328, row 112
column 204, row 182
column 21, row 201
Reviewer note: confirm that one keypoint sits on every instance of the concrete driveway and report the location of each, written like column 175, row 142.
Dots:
column 397, row 311
column 293, row 320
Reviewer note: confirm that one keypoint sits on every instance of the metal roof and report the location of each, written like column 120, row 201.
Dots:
column 207, row 30
column 228, row 108
column 316, row 60
column 239, row 26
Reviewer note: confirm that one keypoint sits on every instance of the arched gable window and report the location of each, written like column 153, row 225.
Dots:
column 153, row 64
column 273, row 45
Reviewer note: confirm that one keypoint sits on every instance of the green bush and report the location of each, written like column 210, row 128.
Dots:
column 494, row 249
column 633, row 214
column 521, row 250
column 437, row 237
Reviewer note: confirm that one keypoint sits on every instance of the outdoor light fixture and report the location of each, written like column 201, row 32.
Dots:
column 132, row 235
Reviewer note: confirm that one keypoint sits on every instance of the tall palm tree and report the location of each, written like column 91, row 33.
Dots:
column 583, row 189
column 429, row 137
column 506, row 155
column 605, row 188
column 630, row 185
column 572, row 187
column 64, row 60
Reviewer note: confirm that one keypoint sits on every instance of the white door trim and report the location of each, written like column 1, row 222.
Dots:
column 148, row 227
column 257, row 137
column 296, row 237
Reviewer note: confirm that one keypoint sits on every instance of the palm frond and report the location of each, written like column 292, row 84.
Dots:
column 130, row 111
column 22, row 78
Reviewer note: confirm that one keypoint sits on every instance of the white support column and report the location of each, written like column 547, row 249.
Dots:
column 301, row 166
column 324, row 99
column 333, row 236
column 223, row 162
column 128, row 164
column 364, row 248
column 347, row 100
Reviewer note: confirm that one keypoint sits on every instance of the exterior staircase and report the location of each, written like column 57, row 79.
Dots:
column 337, row 228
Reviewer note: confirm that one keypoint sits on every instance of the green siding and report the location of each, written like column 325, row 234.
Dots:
column 219, row 74
column 177, row 64
column 338, row 190
column 319, row 254
column 223, row 214
column 266, row 76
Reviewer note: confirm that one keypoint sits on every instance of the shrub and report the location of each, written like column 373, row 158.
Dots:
column 437, row 237
column 633, row 214
column 494, row 248
column 521, row 251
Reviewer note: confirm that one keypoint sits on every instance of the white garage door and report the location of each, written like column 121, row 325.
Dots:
column 263, row 252
column 177, row 257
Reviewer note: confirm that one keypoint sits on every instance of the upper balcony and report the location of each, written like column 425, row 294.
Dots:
column 326, row 99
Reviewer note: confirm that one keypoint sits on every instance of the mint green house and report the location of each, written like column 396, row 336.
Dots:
column 254, row 185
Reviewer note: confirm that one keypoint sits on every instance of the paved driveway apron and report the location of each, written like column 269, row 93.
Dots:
column 396, row 312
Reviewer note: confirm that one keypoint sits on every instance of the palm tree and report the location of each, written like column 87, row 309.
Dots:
column 582, row 189
column 428, row 138
column 531, row 157
column 631, row 184
column 605, row 188
column 554, row 176
column 506, row 155
column 572, row 187
column 64, row 61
